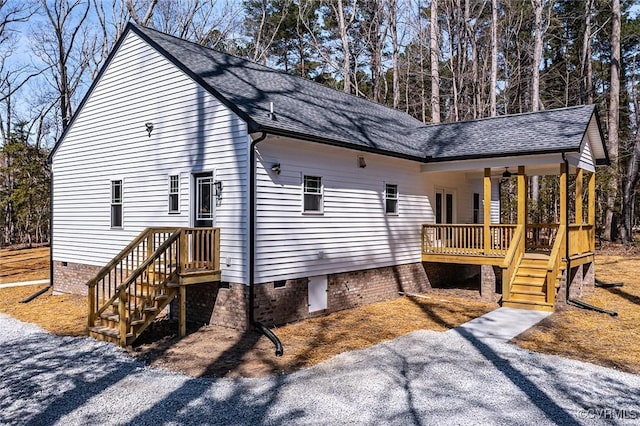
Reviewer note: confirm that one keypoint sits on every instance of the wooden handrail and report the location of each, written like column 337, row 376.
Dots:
column 127, row 250
column 553, row 265
column 511, row 260
column 513, row 247
column 142, row 268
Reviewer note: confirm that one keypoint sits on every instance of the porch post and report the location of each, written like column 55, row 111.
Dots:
column 579, row 178
column 563, row 195
column 522, row 204
column 487, row 211
column 591, row 217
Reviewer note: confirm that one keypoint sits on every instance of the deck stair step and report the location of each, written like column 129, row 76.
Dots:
column 528, row 286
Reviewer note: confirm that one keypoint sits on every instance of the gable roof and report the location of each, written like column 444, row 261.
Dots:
column 551, row 131
column 301, row 107
column 307, row 110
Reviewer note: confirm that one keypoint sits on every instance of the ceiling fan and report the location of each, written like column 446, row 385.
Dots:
column 506, row 174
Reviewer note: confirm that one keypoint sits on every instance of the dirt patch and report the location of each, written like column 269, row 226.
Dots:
column 212, row 351
column 24, row 264
column 594, row 337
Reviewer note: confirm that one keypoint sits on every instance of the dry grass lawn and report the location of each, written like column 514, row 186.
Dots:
column 216, row 351
column 594, row 337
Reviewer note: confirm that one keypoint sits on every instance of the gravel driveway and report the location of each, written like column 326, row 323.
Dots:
column 422, row 378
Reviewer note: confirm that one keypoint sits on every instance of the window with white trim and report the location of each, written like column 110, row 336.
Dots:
column 391, row 198
column 174, row 194
column 312, row 194
column 116, row 203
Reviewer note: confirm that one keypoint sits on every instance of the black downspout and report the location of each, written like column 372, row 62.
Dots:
column 578, row 303
column 252, row 244
column 42, row 291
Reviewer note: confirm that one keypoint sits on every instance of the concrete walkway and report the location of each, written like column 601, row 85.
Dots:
column 501, row 325
column 24, row 283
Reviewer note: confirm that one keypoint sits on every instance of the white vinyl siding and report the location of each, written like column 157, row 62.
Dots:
column 193, row 132
column 354, row 232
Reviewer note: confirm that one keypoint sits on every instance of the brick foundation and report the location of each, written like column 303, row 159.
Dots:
column 582, row 283
column 213, row 303
column 72, row 277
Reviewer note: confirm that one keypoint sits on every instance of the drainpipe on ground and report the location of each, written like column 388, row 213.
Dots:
column 252, row 243
column 575, row 302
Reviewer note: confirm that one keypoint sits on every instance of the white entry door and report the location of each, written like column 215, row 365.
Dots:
column 317, row 293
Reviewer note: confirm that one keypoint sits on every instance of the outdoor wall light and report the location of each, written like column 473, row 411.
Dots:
column 276, row 168
column 507, row 173
column 217, row 185
column 149, row 126
column 362, row 163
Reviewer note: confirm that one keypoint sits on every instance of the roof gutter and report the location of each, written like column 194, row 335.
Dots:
column 333, row 142
column 252, row 247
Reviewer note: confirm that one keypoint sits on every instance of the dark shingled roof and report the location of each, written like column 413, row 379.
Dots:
column 529, row 133
column 310, row 111
column 301, row 107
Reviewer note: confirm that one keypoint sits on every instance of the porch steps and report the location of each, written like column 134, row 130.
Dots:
column 528, row 287
column 143, row 310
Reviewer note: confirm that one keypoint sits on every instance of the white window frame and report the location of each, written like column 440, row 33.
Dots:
column 395, row 198
column 317, row 194
column 175, row 194
column 115, row 202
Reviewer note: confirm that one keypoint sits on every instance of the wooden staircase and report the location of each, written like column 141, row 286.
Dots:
column 528, row 289
column 140, row 282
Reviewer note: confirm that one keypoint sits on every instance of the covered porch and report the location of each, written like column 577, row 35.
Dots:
column 532, row 257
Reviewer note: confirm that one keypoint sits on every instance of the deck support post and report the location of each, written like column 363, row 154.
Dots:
column 487, row 211
column 579, row 179
column 91, row 319
column 122, row 318
column 183, row 311
column 522, row 205
column 591, row 216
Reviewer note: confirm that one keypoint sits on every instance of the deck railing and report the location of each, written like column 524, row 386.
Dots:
column 466, row 239
column 153, row 256
column 581, row 239
column 541, row 236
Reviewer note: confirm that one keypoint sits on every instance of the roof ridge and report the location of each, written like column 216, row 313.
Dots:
column 395, row 110
column 518, row 114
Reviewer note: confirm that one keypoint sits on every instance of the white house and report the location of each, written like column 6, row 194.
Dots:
column 254, row 195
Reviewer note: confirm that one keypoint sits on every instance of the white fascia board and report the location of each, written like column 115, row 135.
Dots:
column 501, row 162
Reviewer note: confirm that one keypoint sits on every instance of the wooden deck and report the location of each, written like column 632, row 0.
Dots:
column 140, row 282
column 532, row 256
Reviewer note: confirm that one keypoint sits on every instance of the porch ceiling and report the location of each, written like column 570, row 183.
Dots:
column 539, row 165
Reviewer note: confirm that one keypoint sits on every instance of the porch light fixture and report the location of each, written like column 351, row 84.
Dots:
column 507, row 173
column 276, row 168
column 362, row 163
column 217, row 185
column 149, row 126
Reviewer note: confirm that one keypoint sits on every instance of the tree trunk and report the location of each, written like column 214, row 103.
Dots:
column 614, row 116
column 494, row 58
column 393, row 25
column 434, row 52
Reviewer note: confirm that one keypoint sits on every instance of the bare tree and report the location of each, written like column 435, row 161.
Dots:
column 65, row 49
column 343, row 27
column 435, row 64
column 133, row 12
column 614, row 117
column 494, row 58
column 393, row 27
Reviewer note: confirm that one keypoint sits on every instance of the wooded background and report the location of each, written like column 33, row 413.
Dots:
column 438, row 60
